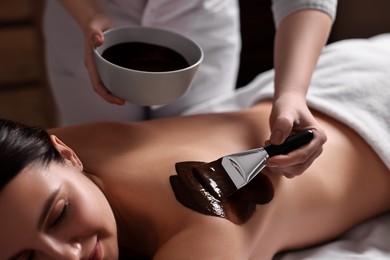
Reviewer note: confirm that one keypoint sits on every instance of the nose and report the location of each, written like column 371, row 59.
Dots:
column 54, row 249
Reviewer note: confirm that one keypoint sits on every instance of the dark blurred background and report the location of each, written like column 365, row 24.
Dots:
column 24, row 92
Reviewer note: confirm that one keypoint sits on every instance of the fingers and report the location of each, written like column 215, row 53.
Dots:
column 281, row 129
column 94, row 32
column 94, row 38
column 97, row 39
column 296, row 162
column 94, row 77
column 291, row 171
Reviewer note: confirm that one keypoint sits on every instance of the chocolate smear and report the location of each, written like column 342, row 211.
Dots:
column 190, row 191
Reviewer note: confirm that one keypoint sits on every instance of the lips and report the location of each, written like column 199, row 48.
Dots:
column 97, row 252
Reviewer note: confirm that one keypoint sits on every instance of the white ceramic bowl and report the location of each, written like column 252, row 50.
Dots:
column 144, row 87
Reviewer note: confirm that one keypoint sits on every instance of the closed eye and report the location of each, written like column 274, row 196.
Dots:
column 61, row 215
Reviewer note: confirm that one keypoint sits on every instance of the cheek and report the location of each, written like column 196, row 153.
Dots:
column 94, row 217
column 93, row 210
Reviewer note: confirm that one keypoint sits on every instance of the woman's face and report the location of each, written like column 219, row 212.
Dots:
column 56, row 213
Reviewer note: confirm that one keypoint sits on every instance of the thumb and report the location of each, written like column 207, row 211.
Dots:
column 95, row 36
column 281, row 129
column 97, row 39
column 95, row 31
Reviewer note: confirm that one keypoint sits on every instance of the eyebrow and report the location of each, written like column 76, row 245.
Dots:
column 46, row 208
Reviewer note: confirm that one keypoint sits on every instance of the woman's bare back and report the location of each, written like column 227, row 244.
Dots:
column 132, row 162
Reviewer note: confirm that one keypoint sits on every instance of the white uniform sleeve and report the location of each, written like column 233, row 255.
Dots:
column 282, row 8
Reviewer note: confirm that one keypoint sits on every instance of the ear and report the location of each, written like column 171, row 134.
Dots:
column 67, row 153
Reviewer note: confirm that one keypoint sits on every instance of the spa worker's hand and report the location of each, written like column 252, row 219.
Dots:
column 299, row 40
column 289, row 115
column 93, row 21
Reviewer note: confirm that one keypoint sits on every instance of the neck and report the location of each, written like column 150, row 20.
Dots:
column 136, row 235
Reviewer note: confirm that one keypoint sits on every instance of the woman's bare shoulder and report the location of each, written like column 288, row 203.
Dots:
column 96, row 131
column 98, row 139
column 87, row 127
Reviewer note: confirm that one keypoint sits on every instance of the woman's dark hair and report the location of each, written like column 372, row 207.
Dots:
column 22, row 145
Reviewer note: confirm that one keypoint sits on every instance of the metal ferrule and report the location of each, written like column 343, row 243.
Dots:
column 244, row 166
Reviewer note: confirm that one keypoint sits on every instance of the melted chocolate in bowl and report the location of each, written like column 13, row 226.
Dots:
column 237, row 208
column 145, row 57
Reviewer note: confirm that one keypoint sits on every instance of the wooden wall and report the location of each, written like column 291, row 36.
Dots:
column 24, row 93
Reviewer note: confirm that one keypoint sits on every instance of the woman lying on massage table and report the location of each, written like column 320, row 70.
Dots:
column 107, row 192
column 116, row 191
